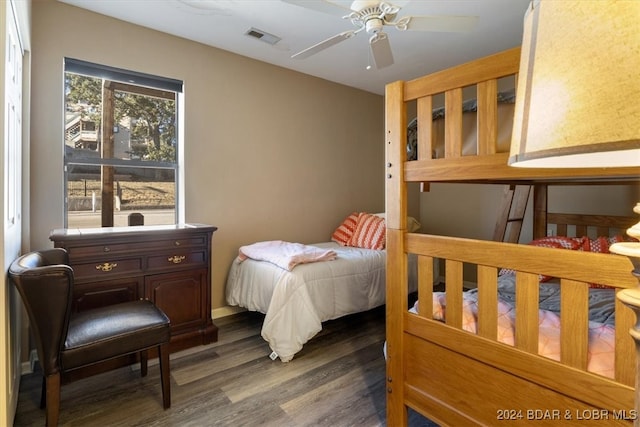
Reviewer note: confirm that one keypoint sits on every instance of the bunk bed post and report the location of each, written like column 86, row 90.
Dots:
column 631, row 298
column 396, row 213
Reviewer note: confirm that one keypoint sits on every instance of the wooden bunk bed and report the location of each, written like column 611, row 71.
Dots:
column 455, row 377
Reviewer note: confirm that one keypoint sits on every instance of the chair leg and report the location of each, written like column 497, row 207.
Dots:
column 163, row 357
column 53, row 399
column 144, row 357
column 43, row 393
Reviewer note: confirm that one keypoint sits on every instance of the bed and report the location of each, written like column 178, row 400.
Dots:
column 296, row 301
column 457, row 377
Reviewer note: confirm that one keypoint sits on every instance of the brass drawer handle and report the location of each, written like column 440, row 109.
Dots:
column 176, row 259
column 107, row 266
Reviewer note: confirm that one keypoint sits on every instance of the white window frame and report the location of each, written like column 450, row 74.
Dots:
column 141, row 80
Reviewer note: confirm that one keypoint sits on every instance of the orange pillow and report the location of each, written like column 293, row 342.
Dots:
column 370, row 233
column 343, row 233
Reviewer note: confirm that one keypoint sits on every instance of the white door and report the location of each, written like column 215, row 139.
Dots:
column 11, row 113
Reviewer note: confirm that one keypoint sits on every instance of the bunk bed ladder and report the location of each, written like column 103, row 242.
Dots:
column 514, row 205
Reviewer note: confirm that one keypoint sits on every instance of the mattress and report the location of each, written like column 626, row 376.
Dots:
column 601, row 320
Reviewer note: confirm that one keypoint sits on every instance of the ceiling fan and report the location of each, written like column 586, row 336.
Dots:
column 372, row 16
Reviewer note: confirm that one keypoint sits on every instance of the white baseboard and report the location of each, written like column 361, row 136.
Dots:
column 25, row 368
column 29, row 366
column 227, row 310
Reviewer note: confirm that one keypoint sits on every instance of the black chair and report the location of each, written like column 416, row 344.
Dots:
column 66, row 341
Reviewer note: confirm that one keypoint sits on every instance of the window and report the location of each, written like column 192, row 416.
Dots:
column 121, row 152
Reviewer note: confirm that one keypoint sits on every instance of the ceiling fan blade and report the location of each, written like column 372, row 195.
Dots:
column 452, row 24
column 321, row 6
column 324, row 44
column 381, row 50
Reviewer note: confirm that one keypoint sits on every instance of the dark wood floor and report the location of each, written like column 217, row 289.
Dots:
column 336, row 380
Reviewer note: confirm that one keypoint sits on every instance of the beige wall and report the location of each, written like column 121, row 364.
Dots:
column 470, row 210
column 269, row 153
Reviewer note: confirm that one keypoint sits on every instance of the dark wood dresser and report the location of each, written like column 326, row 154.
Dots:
column 169, row 265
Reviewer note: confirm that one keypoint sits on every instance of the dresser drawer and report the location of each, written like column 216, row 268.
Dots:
column 117, row 248
column 171, row 260
column 102, row 270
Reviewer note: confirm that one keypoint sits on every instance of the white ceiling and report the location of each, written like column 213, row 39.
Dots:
column 223, row 24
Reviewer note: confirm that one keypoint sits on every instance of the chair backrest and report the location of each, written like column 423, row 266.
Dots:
column 45, row 282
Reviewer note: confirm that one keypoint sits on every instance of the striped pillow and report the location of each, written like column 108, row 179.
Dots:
column 370, row 233
column 343, row 233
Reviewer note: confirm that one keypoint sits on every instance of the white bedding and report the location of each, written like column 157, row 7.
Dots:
column 296, row 302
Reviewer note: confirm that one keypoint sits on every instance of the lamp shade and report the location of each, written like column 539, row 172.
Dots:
column 578, row 92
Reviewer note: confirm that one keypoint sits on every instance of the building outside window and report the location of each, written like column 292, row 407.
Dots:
column 121, row 147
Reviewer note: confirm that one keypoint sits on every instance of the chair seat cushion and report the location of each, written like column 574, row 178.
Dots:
column 114, row 330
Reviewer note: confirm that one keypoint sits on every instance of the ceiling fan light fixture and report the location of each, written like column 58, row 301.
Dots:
column 374, row 25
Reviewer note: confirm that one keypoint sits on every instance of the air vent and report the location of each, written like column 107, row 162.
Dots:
column 263, row 36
